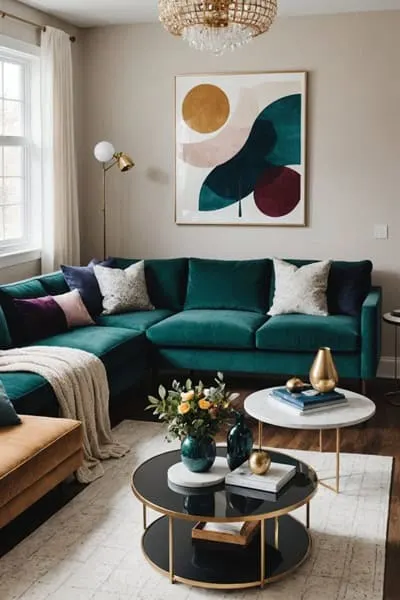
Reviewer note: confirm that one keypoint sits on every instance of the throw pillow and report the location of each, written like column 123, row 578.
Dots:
column 83, row 279
column 8, row 416
column 300, row 290
column 228, row 284
column 349, row 284
column 33, row 319
column 123, row 289
column 76, row 313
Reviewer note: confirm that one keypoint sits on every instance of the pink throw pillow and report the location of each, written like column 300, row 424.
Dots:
column 75, row 311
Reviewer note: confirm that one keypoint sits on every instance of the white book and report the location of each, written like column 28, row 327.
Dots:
column 276, row 477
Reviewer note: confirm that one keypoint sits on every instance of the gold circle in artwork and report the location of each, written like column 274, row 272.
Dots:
column 205, row 108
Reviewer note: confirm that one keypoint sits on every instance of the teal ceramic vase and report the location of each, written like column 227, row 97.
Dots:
column 198, row 453
column 239, row 443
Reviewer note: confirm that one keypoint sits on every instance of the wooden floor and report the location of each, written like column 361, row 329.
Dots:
column 381, row 435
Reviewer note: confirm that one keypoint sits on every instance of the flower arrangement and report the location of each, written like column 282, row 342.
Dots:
column 193, row 410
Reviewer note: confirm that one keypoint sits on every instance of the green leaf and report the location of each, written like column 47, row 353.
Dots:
column 220, row 376
column 153, row 400
column 162, row 392
column 188, row 384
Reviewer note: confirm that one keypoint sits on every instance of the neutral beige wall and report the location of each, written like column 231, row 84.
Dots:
column 353, row 141
column 31, row 35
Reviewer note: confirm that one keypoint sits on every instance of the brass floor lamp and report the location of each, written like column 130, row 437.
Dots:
column 105, row 153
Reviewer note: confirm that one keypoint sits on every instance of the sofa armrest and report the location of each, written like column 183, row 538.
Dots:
column 371, row 317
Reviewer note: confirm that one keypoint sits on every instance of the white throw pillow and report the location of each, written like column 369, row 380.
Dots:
column 123, row 290
column 300, row 290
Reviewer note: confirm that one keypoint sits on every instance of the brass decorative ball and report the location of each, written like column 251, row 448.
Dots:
column 295, row 384
column 259, row 462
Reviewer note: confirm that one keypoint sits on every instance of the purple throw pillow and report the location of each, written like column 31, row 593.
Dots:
column 83, row 279
column 31, row 320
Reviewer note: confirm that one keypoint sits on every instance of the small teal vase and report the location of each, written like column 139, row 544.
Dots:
column 198, row 453
column 239, row 443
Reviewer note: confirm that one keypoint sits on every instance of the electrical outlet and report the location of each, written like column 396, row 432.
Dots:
column 381, row 232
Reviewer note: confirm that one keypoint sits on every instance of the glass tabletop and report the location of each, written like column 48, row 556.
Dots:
column 220, row 503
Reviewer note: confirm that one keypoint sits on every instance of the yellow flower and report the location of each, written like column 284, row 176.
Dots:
column 183, row 408
column 187, row 396
column 204, row 404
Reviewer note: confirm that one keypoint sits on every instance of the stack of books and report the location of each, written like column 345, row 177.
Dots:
column 276, row 477
column 309, row 401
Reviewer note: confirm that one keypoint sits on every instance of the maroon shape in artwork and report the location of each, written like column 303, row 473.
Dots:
column 278, row 191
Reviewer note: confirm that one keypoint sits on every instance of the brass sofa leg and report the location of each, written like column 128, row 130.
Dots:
column 363, row 387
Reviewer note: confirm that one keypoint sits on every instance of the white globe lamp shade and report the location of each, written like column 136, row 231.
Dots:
column 104, row 151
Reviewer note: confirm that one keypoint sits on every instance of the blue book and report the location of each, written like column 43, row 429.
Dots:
column 309, row 398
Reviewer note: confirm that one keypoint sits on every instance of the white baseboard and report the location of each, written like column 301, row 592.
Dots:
column 386, row 367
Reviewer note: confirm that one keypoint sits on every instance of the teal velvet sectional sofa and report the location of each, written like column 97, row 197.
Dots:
column 209, row 315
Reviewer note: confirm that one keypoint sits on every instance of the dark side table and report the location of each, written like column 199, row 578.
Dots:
column 395, row 321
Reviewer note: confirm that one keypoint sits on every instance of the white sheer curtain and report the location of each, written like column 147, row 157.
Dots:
column 60, row 243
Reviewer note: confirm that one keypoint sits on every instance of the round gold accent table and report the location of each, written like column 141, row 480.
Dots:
column 280, row 545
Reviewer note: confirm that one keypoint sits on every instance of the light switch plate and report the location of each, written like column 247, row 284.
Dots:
column 381, row 232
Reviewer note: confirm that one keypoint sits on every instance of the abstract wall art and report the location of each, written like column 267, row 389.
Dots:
column 241, row 149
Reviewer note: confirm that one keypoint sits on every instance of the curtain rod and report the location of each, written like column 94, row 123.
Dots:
column 4, row 14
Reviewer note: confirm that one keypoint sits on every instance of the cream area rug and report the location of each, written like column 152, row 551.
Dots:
column 90, row 549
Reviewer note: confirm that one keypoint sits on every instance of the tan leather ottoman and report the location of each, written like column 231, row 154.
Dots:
column 35, row 457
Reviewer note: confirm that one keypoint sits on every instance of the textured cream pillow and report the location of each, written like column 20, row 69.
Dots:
column 123, row 290
column 300, row 290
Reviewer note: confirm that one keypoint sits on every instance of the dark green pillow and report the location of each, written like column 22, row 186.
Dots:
column 8, row 416
column 228, row 284
column 166, row 280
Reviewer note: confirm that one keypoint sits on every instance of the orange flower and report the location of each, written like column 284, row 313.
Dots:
column 187, row 396
column 183, row 408
column 204, row 404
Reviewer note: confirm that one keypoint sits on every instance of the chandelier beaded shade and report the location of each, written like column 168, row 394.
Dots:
column 217, row 25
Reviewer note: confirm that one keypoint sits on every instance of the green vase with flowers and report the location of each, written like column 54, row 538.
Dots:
column 195, row 414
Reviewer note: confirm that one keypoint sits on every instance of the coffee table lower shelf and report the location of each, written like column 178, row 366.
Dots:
column 225, row 566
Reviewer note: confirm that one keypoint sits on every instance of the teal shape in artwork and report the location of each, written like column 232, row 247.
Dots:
column 274, row 140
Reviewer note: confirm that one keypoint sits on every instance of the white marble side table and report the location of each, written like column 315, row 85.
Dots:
column 263, row 407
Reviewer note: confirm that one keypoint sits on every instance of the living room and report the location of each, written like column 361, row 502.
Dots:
column 129, row 78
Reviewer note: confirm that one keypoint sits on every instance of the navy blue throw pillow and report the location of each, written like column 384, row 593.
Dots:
column 348, row 285
column 8, row 416
column 84, row 280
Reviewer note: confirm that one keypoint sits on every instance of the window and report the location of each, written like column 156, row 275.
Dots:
column 20, row 172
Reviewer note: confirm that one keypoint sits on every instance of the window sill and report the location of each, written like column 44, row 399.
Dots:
column 19, row 257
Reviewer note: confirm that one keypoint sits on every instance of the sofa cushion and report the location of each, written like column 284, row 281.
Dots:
column 166, row 280
column 123, row 290
column 8, row 416
column 305, row 333
column 54, row 283
column 84, row 280
column 29, row 288
column 207, row 329
column 30, row 394
column 228, row 284
column 30, row 319
column 348, row 286
column 139, row 321
column 300, row 290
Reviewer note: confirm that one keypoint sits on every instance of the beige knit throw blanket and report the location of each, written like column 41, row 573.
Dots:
column 80, row 384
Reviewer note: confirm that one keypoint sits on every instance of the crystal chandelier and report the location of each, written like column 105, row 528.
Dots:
column 217, row 25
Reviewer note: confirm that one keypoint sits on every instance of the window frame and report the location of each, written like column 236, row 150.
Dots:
column 28, row 56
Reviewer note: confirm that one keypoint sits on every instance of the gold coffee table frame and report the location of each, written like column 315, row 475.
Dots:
column 262, row 518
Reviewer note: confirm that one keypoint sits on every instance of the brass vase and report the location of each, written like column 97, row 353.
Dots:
column 323, row 374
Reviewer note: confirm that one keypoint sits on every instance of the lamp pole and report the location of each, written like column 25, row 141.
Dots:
column 106, row 155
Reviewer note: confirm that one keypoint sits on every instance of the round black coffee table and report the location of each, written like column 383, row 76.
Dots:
column 281, row 545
